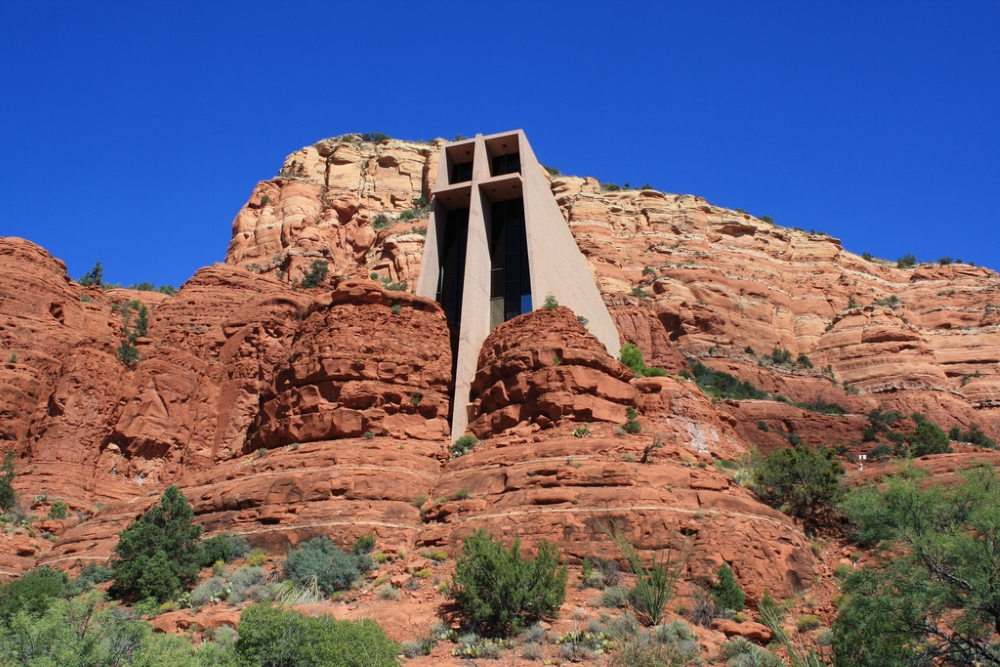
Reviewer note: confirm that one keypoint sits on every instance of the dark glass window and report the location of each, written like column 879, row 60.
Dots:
column 451, row 278
column 509, row 275
column 461, row 172
column 507, row 164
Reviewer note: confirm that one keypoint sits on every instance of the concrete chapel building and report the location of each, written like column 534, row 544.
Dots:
column 497, row 245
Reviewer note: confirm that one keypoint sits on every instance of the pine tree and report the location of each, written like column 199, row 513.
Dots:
column 94, row 277
column 727, row 592
column 158, row 554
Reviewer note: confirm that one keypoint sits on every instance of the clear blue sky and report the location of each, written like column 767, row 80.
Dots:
column 132, row 132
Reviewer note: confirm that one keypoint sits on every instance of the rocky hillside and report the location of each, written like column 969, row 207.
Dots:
column 289, row 403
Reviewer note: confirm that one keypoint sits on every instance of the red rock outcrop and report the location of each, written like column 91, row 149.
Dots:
column 911, row 339
column 677, row 273
column 326, row 203
column 344, row 488
column 364, row 360
column 546, row 366
column 568, row 490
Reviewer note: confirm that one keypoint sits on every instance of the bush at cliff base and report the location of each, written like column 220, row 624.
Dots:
column 273, row 636
column 929, row 595
column 159, row 554
column 500, row 593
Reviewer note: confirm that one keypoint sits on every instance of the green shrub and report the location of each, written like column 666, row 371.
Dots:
column 931, row 585
column 631, row 356
column 364, row 544
column 610, row 187
column 906, row 261
column 727, row 592
column 807, row 622
column 462, row 446
column 927, row 438
column 550, row 303
column 274, row 637
column 891, row 301
column 321, row 561
column 880, row 451
column 257, row 556
column 804, row 361
column 91, row 575
column 945, row 261
column 820, row 406
column 717, row 384
column 670, row 645
column 974, row 436
column 800, row 481
column 32, row 593
column 762, row 425
column 317, row 274
column 581, row 431
column 84, row 632
column 8, row 497
column 498, row 592
column 781, row 356
column 225, row 547
column 94, row 277
column 868, row 257
column 439, row 555
column 212, row 590
column 766, row 218
column 396, row 309
column 614, row 597
column 741, row 652
column 57, row 510
column 142, row 321
column 381, row 221
column 158, row 554
column 244, row 582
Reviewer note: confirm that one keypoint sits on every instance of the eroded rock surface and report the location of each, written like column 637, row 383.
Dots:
column 286, row 413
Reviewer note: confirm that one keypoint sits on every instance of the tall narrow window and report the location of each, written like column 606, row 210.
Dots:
column 507, row 164
column 461, row 172
column 452, row 276
column 510, row 279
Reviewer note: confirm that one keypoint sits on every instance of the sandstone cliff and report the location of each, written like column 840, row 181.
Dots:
column 287, row 412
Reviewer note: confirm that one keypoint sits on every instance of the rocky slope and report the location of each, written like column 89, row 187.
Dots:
column 286, row 412
column 679, row 274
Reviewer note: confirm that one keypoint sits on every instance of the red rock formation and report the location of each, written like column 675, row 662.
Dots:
column 364, row 360
column 569, row 490
column 722, row 280
column 325, row 203
column 238, row 361
column 545, row 366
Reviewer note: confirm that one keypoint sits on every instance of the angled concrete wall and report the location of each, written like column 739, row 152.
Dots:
column 555, row 263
